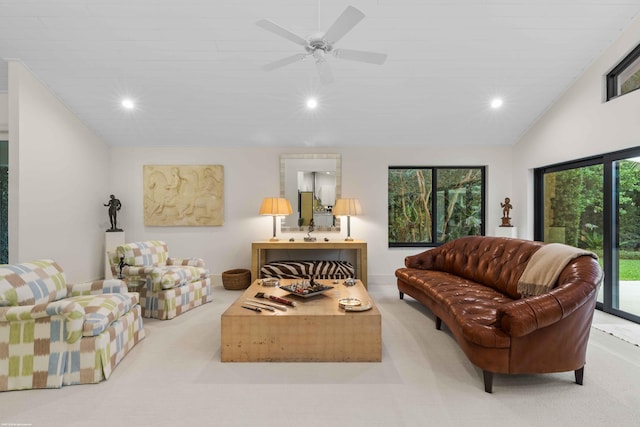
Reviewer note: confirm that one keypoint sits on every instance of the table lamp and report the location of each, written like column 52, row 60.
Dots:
column 275, row 206
column 347, row 207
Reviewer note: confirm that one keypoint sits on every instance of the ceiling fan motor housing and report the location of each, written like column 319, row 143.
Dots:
column 318, row 44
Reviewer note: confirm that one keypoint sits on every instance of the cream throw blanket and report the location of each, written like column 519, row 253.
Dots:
column 545, row 266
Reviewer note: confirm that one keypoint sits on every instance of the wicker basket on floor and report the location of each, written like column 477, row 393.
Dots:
column 236, row 279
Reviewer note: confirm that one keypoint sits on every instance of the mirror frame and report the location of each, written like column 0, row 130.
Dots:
column 314, row 156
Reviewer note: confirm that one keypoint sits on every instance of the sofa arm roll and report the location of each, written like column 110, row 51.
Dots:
column 523, row 316
column 191, row 262
column 71, row 312
column 422, row 261
column 97, row 287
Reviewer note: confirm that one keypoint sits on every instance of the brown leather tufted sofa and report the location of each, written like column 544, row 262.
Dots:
column 470, row 285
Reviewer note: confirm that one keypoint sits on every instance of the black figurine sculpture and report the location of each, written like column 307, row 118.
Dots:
column 121, row 266
column 114, row 206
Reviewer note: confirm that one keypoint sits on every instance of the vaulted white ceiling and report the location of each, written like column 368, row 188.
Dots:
column 194, row 67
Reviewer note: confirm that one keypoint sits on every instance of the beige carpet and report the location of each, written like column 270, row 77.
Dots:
column 175, row 378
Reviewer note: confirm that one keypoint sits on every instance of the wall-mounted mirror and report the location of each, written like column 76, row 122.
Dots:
column 311, row 183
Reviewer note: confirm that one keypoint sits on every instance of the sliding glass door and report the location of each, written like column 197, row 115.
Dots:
column 625, row 271
column 573, row 207
column 595, row 204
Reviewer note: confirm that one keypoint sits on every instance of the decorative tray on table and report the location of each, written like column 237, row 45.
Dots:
column 306, row 289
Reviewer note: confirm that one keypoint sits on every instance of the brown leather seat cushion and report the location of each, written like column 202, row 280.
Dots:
column 473, row 306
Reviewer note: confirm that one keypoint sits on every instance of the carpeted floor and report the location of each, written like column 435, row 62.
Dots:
column 175, row 378
column 619, row 328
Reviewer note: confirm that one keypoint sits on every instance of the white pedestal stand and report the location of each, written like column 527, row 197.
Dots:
column 507, row 232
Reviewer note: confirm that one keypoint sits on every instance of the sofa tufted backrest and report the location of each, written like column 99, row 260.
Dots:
column 31, row 283
column 147, row 253
column 497, row 262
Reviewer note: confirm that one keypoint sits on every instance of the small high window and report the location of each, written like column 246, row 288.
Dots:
column 625, row 77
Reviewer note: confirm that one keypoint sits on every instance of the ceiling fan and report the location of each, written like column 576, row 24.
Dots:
column 319, row 45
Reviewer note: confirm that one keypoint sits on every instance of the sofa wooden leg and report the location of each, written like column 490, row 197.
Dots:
column 488, row 381
column 579, row 375
column 438, row 323
column 401, row 295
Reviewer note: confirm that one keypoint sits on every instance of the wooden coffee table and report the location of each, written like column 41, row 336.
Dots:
column 316, row 330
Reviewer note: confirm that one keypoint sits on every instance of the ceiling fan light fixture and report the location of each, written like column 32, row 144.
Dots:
column 318, row 54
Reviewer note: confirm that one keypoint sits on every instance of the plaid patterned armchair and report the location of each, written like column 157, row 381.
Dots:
column 168, row 286
column 53, row 333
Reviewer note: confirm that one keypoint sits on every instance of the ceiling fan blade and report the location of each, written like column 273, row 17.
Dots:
column 361, row 56
column 345, row 22
column 281, row 31
column 284, row 61
column 324, row 70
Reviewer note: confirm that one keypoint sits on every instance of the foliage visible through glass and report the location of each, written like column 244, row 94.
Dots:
column 573, row 207
column 627, row 194
column 410, row 205
column 458, row 207
column 459, row 204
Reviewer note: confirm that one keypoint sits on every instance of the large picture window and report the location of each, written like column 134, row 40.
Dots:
column 429, row 206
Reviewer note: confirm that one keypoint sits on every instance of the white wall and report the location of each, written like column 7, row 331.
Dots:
column 251, row 174
column 58, row 174
column 580, row 124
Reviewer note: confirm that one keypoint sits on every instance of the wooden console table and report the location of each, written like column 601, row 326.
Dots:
column 264, row 251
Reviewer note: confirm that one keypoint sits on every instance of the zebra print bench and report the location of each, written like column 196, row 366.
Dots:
column 332, row 270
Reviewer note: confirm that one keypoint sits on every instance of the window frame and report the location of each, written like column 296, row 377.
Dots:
column 633, row 58
column 609, row 228
column 434, row 204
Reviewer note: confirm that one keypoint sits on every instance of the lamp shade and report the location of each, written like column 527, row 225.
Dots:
column 350, row 207
column 275, row 206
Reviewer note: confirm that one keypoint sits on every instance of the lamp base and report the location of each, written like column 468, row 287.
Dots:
column 274, row 238
column 349, row 238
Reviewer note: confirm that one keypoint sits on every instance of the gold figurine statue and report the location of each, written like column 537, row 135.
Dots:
column 506, row 207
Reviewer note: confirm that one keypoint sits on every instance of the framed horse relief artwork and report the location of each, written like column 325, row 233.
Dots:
column 183, row 195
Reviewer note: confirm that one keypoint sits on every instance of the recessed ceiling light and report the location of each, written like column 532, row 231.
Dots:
column 128, row 104
column 496, row 103
column 312, row 103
